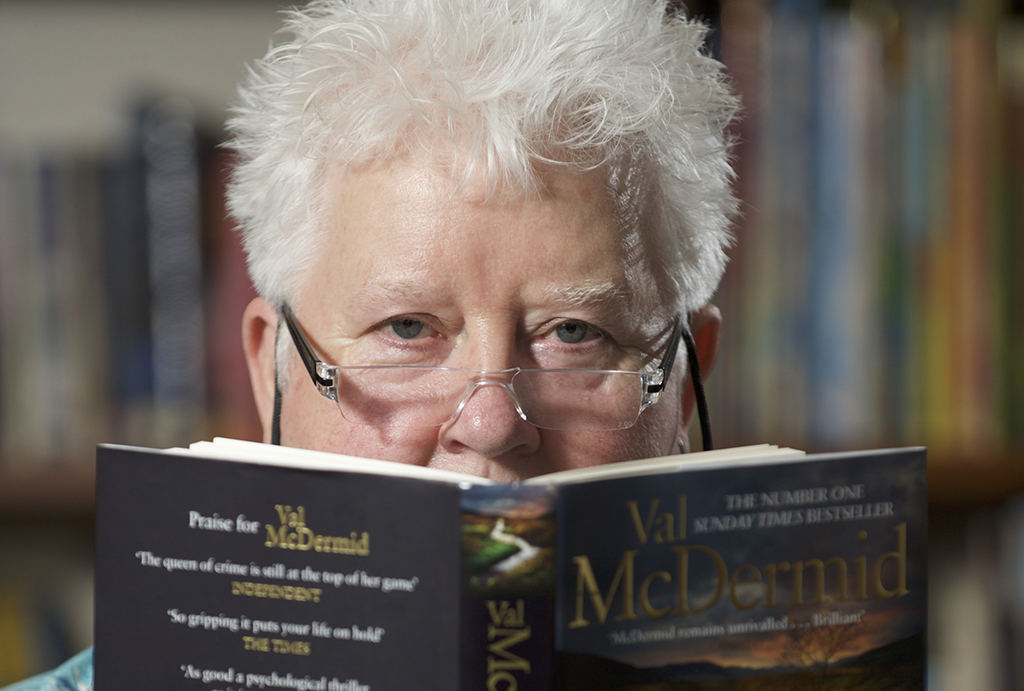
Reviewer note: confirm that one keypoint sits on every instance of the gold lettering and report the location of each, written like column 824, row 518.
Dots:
column 683, row 607
column 798, row 580
column 282, row 513
column 643, row 528
column 663, row 523
column 749, row 586
column 842, row 591
column 682, row 518
column 771, row 570
column 276, row 538
column 862, row 577
column 291, row 647
column 511, row 661
column 900, row 555
column 586, row 583
column 259, row 644
column 645, row 600
column 737, row 579
column 274, row 591
column 667, row 531
column 497, row 614
column 506, row 615
column 304, row 539
column 495, row 679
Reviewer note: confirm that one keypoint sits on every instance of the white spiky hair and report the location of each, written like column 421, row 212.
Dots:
column 513, row 84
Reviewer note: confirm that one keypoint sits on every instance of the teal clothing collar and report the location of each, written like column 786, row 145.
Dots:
column 73, row 675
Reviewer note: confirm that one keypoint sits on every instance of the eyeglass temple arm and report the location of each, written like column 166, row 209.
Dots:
column 669, row 358
column 681, row 330
column 309, row 359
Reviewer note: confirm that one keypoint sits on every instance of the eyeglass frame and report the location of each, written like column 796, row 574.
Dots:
column 319, row 372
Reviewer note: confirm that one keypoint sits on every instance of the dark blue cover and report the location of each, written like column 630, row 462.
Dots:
column 187, row 598
column 737, row 537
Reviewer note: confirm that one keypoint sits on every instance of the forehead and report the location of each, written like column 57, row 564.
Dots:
column 416, row 231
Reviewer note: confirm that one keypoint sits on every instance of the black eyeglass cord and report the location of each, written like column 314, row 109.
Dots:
column 698, row 390
column 275, row 425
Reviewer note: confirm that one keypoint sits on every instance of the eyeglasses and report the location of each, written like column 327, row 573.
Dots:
column 424, row 396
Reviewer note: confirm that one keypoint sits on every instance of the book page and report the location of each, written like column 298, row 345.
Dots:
column 226, row 449
column 667, row 464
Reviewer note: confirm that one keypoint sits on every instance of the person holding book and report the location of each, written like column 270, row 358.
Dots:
column 484, row 219
column 480, row 231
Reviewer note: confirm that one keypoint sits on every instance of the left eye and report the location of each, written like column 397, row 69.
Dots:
column 407, row 328
column 572, row 332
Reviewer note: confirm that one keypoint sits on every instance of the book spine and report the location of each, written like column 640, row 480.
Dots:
column 27, row 347
column 508, row 586
column 844, row 243
column 1010, row 56
column 912, row 122
column 173, row 205
column 126, row 274
column 74, row 334
column 971, row 219
column 935, row 398
column 83, row 344
column 770, row 343
column 7, row 286
column 743, row 44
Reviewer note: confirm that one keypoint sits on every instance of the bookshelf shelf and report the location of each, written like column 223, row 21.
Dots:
column 49, row 492
column 958, row 484
column 55, row 491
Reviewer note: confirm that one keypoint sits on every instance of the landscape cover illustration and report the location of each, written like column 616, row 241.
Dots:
column 508, row 541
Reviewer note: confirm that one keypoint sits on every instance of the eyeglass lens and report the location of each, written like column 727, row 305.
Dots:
column 552, row 399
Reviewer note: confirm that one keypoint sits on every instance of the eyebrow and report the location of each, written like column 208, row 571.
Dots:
column 589, row 294
column 607, row 296
column 376, row 291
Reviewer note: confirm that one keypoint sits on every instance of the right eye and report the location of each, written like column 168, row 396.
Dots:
column 405, row 339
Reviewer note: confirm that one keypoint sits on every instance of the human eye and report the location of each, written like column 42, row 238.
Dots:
column 407, row 328
column 575, row 344
column 573, row 331
column 405, row 339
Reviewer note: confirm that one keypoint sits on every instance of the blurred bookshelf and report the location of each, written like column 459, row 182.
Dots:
column 144, row 105
column 61, row 490
column 874, row 297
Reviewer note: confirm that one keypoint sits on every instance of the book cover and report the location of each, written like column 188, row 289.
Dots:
column 218, row 575
column 288, row 569
column 776, row 576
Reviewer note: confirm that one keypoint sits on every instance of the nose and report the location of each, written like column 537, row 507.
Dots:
column 492, row 379
column 489, row 424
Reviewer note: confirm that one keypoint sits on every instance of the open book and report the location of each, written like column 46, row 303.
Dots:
column 232, row 565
